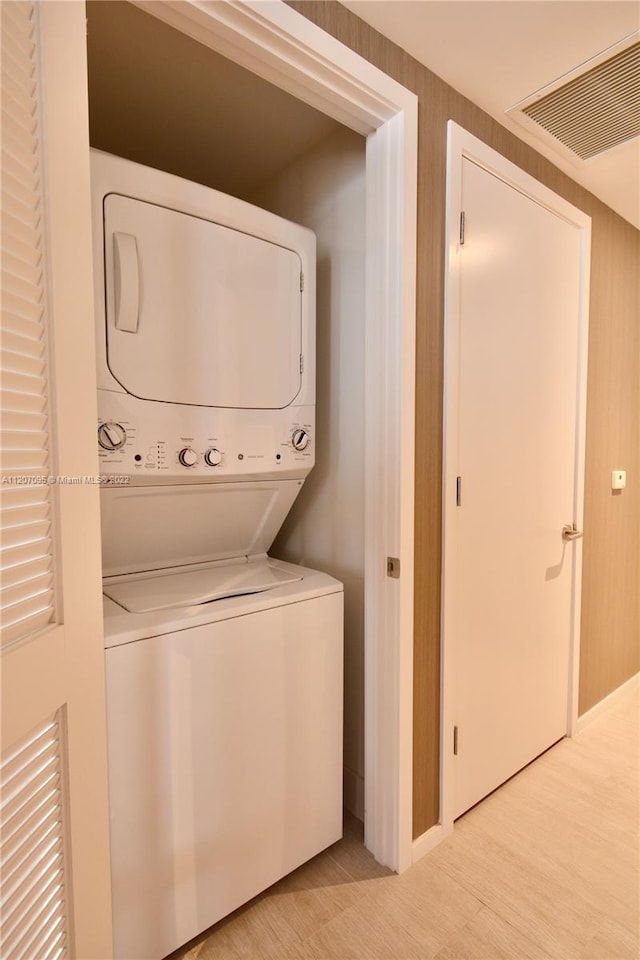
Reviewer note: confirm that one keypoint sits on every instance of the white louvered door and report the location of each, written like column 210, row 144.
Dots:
column 34, row 895
column 27, row 561
column 54, row 889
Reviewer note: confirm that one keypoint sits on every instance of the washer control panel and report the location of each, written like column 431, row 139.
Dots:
column 173, row 445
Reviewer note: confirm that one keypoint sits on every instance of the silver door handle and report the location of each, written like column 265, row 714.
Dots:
column 569, row 532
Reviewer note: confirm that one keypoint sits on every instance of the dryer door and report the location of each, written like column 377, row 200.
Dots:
column 199, row 313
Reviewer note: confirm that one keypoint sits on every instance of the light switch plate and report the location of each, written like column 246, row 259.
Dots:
column 618, row 479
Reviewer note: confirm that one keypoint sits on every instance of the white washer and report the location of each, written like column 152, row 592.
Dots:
column 223, row 665
column 225, row 743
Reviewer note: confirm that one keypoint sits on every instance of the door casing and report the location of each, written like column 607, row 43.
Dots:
column 460, row 145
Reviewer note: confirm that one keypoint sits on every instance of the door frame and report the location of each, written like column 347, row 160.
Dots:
column 462, row 145
column 280, row 45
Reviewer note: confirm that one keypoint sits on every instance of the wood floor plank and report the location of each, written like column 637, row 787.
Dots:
column 488, row 937
column 593, row 854
column 546, row 867
column 612, row 942
column 352, row 855
column 516, row 886
column 246, row 931
column 428, row 904
column 363, row 933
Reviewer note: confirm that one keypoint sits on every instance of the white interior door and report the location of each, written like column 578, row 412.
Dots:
column 517, row 434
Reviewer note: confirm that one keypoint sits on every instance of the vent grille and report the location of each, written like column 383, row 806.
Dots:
column 32, row 848
column 597, row 110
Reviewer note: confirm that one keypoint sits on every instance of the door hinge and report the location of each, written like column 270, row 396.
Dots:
column 301, row 281
column 462, row 229
column 458, row 491
column 301, row 364
column 455, row 741
column 393, row 567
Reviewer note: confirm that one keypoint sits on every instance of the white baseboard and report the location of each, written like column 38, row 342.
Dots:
column 609, row 701
column 354, row 793
column 430, row 839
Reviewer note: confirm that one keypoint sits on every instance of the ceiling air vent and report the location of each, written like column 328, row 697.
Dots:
column 596, row 109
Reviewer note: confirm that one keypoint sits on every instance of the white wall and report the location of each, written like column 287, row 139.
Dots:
column 325, row 190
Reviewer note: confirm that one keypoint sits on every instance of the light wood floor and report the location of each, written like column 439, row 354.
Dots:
column 545, row 867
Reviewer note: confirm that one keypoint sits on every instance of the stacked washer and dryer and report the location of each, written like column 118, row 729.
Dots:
column 223, row 665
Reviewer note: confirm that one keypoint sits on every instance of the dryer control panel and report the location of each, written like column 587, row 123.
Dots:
column 174, row 446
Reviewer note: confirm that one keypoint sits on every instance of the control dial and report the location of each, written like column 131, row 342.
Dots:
column 213, row 457
column 188, row 457
column 112, row 436
column 300, row 439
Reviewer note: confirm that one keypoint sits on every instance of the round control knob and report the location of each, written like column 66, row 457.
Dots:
column 299, row 439
column 188, row 457
column 112, row 436
column 213, row 457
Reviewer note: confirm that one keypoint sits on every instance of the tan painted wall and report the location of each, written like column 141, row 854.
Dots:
column 325, row 190
column 610, row 648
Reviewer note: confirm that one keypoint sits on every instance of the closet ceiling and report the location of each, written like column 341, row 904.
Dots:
column 160, row 98
column 500, row 52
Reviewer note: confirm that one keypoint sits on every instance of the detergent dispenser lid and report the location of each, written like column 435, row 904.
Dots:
column 194, row 587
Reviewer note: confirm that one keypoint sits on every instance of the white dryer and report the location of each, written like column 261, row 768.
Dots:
column 223, row 665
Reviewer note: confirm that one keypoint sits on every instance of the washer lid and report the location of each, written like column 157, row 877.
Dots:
column 162, row 527
column 162, row 592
